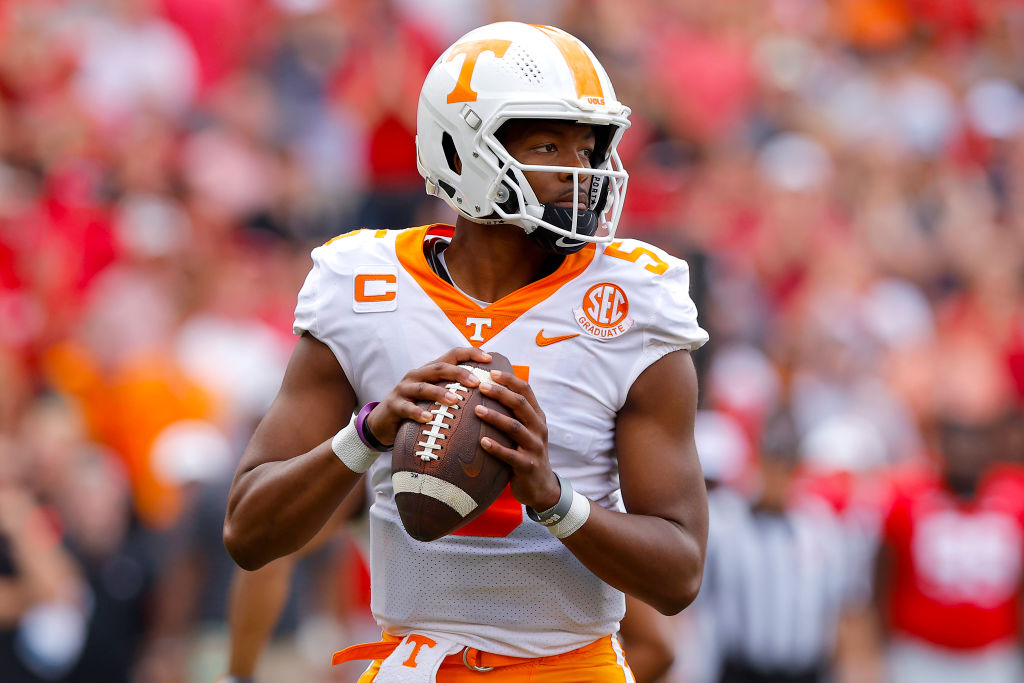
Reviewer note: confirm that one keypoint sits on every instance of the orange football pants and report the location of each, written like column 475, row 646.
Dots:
column 602, row 661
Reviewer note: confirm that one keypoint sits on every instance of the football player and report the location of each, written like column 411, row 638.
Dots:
column 517, row 130
column 949, row 574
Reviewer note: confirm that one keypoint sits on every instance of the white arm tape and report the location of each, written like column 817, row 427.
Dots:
column 351, row 450
column 577, row 516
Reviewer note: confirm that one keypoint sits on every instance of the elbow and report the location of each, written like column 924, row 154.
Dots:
column 241, row 550
column 683, row 595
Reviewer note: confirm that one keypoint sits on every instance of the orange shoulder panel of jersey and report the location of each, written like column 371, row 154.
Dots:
column 465, row 313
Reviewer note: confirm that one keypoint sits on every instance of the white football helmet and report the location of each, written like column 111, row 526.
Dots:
column 511, row 70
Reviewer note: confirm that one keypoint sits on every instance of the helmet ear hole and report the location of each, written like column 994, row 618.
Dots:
column 450, row 155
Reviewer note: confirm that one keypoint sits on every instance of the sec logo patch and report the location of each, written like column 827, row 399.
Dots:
column 604, row 312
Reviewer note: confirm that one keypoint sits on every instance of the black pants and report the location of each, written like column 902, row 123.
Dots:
column 735, row 671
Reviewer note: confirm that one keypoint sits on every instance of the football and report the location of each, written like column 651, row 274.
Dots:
column 441, row 475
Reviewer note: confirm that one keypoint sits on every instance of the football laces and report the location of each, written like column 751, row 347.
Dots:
column 433, row 431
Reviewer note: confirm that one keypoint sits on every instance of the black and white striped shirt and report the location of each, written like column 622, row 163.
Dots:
column 774, row 584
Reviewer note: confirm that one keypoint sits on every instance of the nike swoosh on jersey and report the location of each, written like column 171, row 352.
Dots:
column 544, row 341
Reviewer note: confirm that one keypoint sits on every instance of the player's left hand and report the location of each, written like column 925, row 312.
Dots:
column 533, row 482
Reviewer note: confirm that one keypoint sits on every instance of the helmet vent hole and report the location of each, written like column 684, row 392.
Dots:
column 520, row 64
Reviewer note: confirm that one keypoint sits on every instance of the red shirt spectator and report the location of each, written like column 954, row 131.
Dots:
column 706, row 78
column 221, row 33
column 955, row 578
column 380, row 82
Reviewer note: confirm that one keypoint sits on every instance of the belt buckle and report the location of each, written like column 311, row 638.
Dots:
column 472, row 667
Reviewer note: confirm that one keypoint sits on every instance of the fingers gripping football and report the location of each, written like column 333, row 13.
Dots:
column 425, row 384
column 533, row 482
column 441, row 476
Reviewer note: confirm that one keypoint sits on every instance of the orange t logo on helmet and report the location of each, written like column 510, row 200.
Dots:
column 588, row 83
column 473, row 49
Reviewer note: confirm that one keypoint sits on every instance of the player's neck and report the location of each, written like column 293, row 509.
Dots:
column 489, row 262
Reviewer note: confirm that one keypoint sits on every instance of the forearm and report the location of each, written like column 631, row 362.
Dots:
column 277, row 507
column 650, row 558
column 255, row 604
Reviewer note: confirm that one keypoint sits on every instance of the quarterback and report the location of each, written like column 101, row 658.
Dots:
column 517, row 130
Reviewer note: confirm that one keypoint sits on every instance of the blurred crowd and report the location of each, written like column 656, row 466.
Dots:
column 846, row 179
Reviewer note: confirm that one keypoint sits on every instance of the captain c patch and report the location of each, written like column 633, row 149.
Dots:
column 375, row 289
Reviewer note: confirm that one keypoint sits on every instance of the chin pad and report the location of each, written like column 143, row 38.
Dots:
column 586, row 225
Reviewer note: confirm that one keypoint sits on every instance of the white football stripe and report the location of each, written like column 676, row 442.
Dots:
column 438, row 489
column 481, row 374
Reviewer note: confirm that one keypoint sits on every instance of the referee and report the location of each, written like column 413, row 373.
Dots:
column 775, row 577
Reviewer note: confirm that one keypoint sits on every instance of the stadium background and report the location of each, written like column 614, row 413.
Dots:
column 846, row 179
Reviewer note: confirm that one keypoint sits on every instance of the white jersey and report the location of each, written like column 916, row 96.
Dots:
column 580, row 336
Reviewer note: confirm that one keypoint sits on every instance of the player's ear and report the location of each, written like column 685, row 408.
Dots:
column 457, row 163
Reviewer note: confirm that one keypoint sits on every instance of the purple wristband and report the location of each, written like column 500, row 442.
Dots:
column 365, row 435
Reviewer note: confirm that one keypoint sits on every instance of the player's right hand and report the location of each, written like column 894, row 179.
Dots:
column 421, row 384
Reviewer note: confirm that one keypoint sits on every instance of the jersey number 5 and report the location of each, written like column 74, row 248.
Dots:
column 656, row 266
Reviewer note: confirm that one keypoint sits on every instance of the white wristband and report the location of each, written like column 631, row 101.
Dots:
column 576, row 517
column 351, row 450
